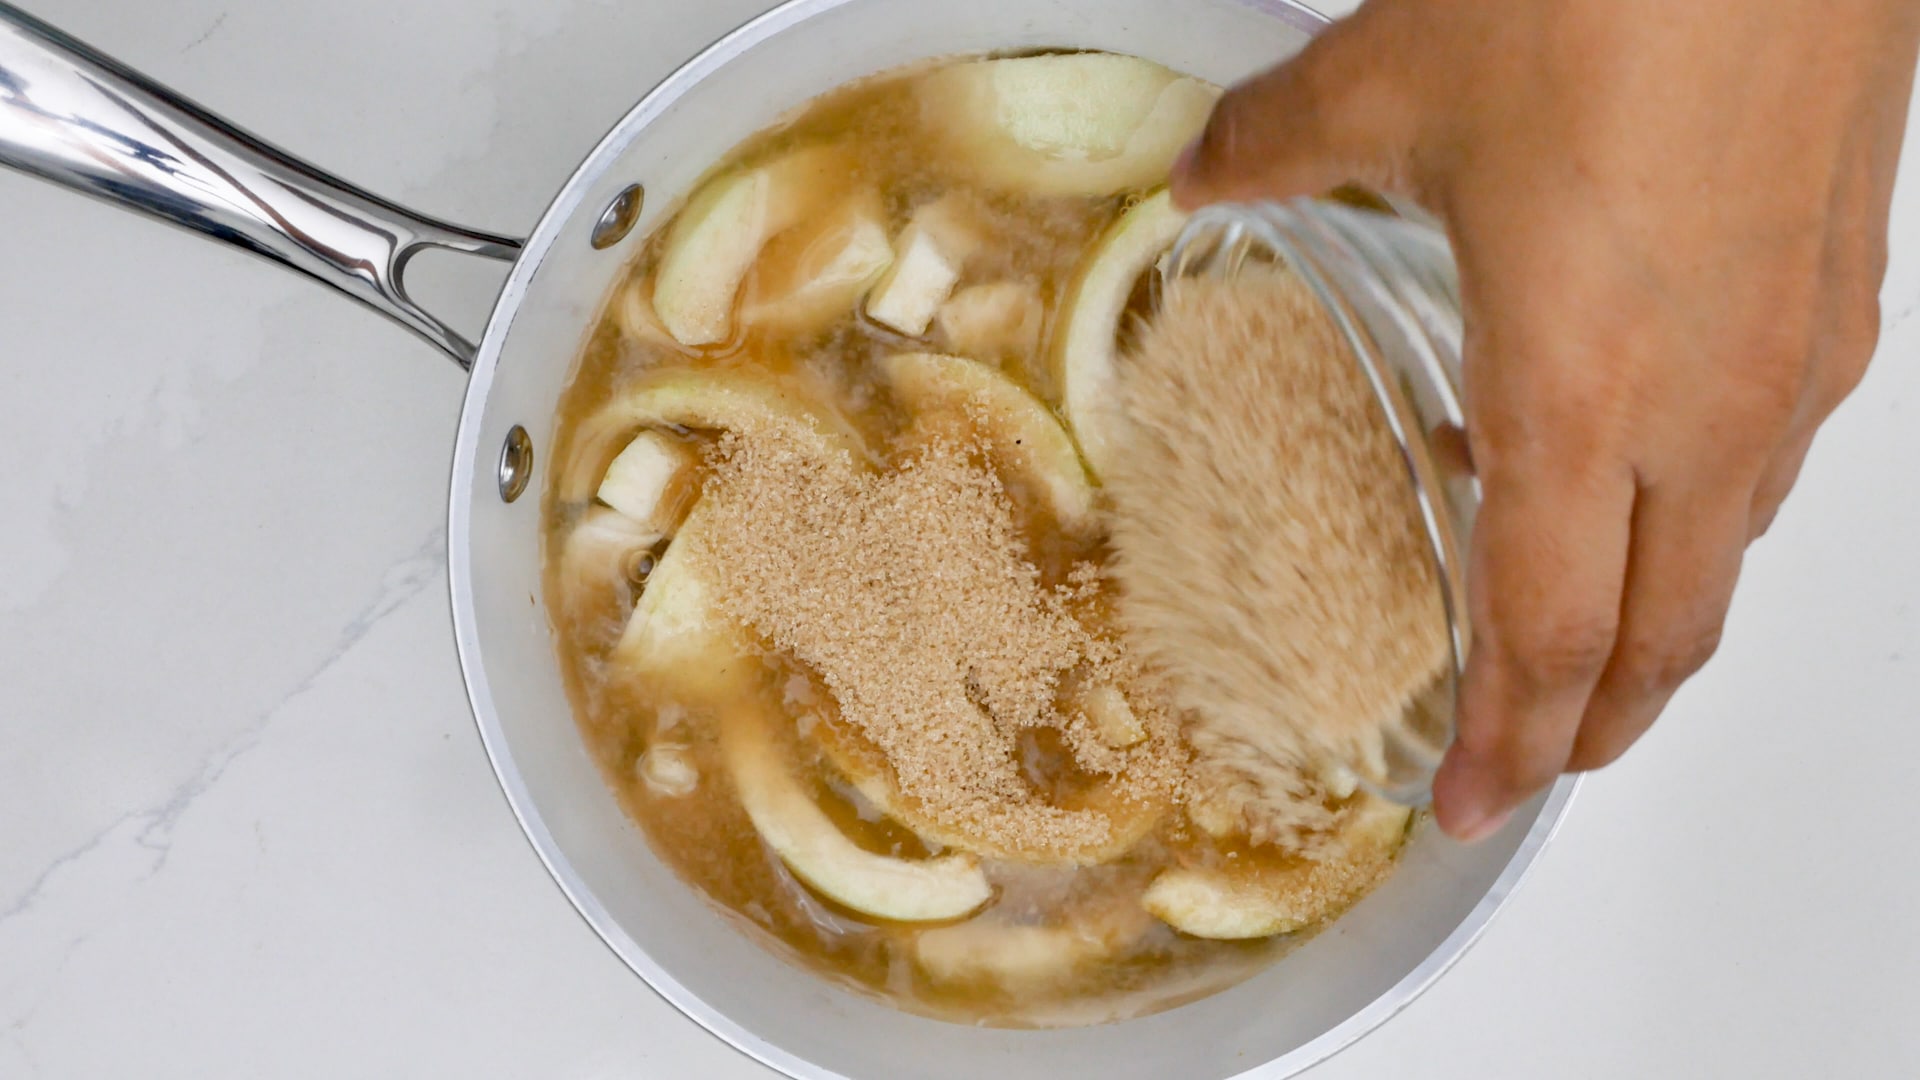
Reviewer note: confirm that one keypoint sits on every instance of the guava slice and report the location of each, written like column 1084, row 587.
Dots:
column 1066, row 124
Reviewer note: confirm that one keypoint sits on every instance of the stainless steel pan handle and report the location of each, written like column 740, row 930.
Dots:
column 84, row 121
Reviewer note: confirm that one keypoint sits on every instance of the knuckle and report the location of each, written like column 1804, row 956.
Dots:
column 1597, row 755
column 1324, row 74
column 1563, row 648
column 1839, row 358
column 1604, row 742
column 1314, row 80
column 1837, row 381
column 1314, row 87
column 1860, row 320
column 1845, row 363
column 1658, row 662
column 1227, row 144
column 1769, row 381
column 1349, row 105
column 1523, row 771
column 1558, row 447
column 1775, row 400
column 1562, row 423
column 1516, row 756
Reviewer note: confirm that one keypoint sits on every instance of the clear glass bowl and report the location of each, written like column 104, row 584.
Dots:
column 1389, row 282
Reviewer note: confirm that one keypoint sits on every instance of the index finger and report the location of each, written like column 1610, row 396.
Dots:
column 1546, row 574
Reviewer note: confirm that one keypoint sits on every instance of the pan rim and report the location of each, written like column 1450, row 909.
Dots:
column 566, row 205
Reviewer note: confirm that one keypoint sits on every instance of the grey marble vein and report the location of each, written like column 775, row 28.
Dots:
column 401, row 582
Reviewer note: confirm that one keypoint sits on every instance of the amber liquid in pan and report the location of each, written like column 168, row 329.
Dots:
column 705, row 834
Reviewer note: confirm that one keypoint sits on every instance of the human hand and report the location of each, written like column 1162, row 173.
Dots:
column 1671, row 225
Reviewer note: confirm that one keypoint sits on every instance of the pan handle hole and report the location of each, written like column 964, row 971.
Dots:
column 516, row 463
column 617, row 220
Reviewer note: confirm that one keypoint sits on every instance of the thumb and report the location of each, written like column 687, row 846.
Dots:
column 1333, row 113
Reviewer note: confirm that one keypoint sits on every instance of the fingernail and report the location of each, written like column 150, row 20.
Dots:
column 1476, row 829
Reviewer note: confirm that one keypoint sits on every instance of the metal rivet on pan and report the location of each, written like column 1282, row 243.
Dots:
column 516, row 463
column 616, row 221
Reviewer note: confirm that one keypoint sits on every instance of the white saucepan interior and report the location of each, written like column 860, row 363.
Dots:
column 1322, row 997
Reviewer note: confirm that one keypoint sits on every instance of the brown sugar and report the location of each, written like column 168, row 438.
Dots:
column 908, row 593
column 1268, row 546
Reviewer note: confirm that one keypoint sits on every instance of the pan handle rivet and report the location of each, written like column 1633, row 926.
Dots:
column 516, row 463
column 618, row 218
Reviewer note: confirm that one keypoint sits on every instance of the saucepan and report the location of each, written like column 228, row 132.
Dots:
column 75, row 117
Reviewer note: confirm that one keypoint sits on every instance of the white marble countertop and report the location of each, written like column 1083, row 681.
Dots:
column 246, row 829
